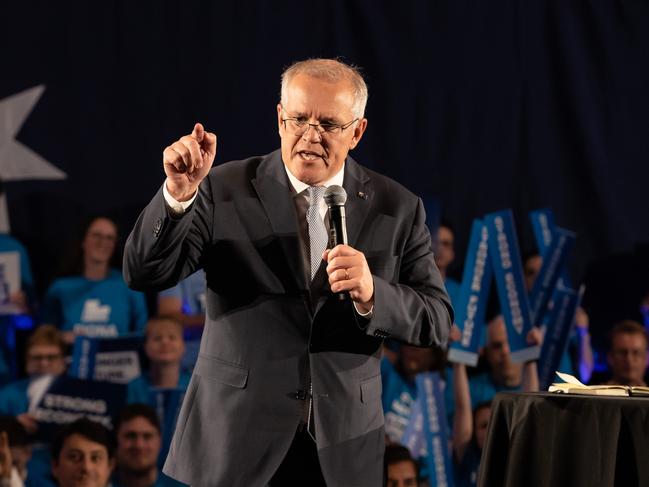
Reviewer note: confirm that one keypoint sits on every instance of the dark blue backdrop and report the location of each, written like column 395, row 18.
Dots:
column 485, row 105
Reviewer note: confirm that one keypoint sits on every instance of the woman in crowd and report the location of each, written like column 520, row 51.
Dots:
column 93, row 299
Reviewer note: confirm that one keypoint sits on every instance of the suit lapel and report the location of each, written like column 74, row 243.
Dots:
column 359, row 199
column 273, row 189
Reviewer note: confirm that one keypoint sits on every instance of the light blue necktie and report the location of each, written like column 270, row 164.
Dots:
column 318, row 237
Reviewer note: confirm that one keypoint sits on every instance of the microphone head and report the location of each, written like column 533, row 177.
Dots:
column 335, row 195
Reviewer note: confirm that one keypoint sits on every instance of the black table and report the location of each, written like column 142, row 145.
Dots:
column 544, row 439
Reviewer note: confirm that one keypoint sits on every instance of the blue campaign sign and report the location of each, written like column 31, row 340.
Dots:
column 435, row 429
column 558, row 324
column 68, row 399
column 116, row 359
column 167, row 403
column 543, row 226
column 473, row 296
column 508, row 271
column 554, row 260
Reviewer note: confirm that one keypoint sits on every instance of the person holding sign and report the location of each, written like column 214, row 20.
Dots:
column 287, row 387
column 92, row 299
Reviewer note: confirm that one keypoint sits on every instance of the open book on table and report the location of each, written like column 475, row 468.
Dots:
column 572, row 386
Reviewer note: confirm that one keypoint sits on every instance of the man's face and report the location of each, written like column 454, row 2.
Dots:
column 503, row 370
column 164, row 343
column 628, row 358
column 402, row 474
column 311, row 157
column 99, row 242
column 138, row 445
column 82, row 463
column 45, row 359
column 445, row 251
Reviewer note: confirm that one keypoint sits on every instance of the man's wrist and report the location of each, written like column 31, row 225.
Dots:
column 178, row 207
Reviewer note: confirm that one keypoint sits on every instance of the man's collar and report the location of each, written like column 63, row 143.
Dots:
column 299, row 186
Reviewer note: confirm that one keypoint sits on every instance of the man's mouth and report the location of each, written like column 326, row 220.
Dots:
column 309, row 155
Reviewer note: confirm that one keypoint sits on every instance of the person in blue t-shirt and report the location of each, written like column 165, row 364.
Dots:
column 94, row 300
column 139, row 442
column 164, row 346
column 444, row 257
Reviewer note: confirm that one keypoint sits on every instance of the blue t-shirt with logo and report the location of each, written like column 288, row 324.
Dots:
column 98, row 308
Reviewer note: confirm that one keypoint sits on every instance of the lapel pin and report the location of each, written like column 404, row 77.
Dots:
column 360, row 194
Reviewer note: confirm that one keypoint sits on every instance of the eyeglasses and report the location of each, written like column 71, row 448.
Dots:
column 299, row 126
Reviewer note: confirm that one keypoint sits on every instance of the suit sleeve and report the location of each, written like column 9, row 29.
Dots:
column 163, row 249
column 416, row 309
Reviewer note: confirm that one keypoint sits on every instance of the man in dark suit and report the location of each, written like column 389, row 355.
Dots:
column 287, row 386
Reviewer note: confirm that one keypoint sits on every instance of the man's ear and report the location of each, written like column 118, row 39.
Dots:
column 359, row 130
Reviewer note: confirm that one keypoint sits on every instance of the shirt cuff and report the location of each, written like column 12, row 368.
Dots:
column 178, row 207
column 367, row 315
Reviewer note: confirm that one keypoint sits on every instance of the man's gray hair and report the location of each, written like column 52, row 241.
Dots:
column 330, row 70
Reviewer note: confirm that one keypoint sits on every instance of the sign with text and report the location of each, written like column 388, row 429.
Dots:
column 438, row 459
column 508, row 271
column 554, row 260
column 473, row 296
column 557, row 324
column 115, row 359
column 68, row 399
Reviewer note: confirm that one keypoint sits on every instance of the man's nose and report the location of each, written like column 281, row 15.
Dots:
column 312, row 134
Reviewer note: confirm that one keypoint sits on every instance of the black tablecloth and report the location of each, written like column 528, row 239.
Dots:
column 543, row 439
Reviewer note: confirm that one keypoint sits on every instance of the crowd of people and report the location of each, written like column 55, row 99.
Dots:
column 91, row 299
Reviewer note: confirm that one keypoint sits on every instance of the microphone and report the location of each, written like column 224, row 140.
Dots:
column 335, row 197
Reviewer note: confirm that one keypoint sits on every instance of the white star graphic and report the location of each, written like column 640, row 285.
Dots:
column 17, row 161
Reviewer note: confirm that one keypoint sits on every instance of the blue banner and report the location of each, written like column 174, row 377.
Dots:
column 557, row 324
column 554, row 260
column 508, row 271
column 543, row 226
column 473, row 296
column 167, row 403
column 117, row 359
column 68, row 399
column 435, row 429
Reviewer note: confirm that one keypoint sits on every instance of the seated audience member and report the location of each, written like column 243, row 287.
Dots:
column 82, row 454
column 164, row 346
column 138, row 445
column 93, row 299
column 444, row 257
column 44, row 357
column 15, row 452
column 400, row 468
column 627, row 357
column 579, row 352
column 469, row 430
